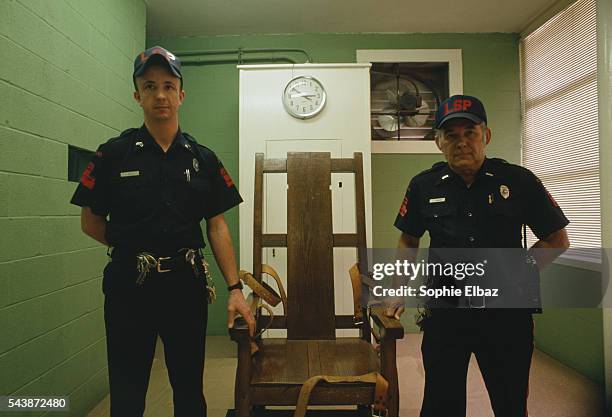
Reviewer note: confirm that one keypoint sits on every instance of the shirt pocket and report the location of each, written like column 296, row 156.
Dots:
column 133, row 195
column 504, row 220
column 441, row 221
column 192, row 196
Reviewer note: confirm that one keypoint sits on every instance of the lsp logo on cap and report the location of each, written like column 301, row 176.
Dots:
column 457, row 105
column 460, row 106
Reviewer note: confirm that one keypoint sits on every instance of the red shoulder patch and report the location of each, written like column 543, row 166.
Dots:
column 226, row 177
column 404, row 207
column 86, row 179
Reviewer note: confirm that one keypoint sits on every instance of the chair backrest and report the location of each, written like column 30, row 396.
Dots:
column 310, row 239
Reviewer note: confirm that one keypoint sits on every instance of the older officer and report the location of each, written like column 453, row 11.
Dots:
column 155, row 184
column 471, row 201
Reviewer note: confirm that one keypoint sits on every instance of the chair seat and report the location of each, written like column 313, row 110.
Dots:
column 292, row 362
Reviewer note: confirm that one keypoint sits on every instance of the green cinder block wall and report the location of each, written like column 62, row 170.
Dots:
column 64, row 79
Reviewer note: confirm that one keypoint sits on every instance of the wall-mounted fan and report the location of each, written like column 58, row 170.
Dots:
column 397, row 104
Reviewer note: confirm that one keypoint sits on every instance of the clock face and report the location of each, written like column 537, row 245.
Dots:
column 304, row 97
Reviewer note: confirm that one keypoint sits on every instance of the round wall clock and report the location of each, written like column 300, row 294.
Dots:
column 304, row 97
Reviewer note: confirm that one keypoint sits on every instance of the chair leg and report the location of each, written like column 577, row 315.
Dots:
column 388, row 359
column 242, row 394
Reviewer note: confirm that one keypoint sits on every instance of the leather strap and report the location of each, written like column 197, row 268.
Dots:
column 381, row 390
column 356, row 283
column 263, row 290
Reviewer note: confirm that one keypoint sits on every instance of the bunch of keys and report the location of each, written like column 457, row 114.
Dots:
column 201, row 269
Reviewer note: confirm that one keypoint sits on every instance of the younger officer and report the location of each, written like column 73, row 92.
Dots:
column 155, row 184
column 471, row 201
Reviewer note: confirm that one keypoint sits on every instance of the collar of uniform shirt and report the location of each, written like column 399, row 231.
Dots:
column 148, row 141
column 448, row 174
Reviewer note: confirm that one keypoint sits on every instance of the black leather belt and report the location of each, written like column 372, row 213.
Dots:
column 150, row 262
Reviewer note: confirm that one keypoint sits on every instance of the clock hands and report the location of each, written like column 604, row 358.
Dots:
column 307, row 95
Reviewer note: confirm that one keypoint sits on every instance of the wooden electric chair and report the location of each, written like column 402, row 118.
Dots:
column 276, row 373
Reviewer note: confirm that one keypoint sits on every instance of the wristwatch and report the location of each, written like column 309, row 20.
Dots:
column 237, row 286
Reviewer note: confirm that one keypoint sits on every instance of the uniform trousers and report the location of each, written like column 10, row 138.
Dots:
column 502, row 342
column 171, row 305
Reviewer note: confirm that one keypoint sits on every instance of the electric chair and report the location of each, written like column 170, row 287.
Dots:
column 351, row 371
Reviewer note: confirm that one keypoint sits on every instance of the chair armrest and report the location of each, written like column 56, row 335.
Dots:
column 389, row 327
column 240, row 332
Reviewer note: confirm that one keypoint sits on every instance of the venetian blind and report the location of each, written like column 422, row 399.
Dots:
column 560, row 131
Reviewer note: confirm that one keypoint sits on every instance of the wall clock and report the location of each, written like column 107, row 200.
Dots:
column 304, row 97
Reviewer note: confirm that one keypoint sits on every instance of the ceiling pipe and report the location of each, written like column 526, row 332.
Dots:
column 200, row 62
column 240, row 58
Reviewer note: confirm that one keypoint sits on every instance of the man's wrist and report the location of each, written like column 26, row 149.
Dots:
column 236, row 286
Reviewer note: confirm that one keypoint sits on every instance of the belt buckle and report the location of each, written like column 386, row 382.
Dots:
column 483, row 305
column 158, row 264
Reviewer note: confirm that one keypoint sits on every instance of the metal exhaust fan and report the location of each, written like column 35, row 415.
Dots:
column 397, row 104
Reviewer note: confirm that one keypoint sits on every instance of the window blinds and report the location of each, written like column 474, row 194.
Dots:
column 560, row 131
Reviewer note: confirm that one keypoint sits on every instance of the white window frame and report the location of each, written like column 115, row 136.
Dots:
column 455, row 86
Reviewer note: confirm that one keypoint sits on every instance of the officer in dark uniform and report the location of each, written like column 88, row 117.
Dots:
column 155, row 184
column 471, row 201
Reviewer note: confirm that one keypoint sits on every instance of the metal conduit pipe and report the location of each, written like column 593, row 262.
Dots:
column 240, row 59
column 200, row 62
column 241, row 51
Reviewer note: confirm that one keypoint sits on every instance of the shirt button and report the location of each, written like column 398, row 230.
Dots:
column 469, row 214
column 471, row 239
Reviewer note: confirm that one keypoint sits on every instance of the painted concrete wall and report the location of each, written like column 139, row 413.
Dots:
column 68, row 82
column 65, row 78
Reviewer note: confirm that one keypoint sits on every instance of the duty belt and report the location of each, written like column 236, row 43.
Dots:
column 147, row 263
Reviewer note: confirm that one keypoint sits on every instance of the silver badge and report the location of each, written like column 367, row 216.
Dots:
column 504, row 191
column 196, row 165
column 140, row 144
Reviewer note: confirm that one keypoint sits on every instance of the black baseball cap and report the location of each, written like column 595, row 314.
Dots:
column 460, row 106
column 143, row 59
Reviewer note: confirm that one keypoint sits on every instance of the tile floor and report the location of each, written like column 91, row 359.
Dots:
column 555, row 389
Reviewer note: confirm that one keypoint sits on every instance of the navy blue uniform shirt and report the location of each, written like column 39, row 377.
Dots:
column 155, row 200
column 488, row 214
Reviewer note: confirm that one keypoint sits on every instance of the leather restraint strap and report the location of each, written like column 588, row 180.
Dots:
column 356, row 283
column 263, row 290
column 381, row 390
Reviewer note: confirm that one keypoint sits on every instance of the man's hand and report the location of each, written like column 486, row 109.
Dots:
column 221, row 245
column 236, row 304
column 407, row 249
column 395, row 312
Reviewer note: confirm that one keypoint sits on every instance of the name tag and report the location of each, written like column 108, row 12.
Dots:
column 129, row 174
column 437, row 200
